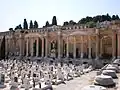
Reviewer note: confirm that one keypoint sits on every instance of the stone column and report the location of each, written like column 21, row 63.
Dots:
column 97, row 47
column 113, row 45
column 27, row 46
column 74, row 47
column 59, row 44
column 118, row 40
column 46, row 45
column 6, row 45
column 82, row 47
column 42, row 46
column 89, row 46
column 37, row 46
column 67, row 47
column 21, row 46
column 31, row 46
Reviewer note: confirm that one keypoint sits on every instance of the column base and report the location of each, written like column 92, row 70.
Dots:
column 97, row 58
column 89, row 57
column 37, row 56
column 81, row 55
column 113, row 58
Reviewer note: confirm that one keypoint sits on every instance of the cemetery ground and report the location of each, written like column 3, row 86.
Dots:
column 80, row 82
column 29, row 75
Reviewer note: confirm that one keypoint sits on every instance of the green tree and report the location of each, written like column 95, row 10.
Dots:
column 54, row 21
column 65, row 23
column 113, row 17
column 82, row 21
column 91, row 24
column 2, row 49
column 19, row 26
column 71, row 22
column 88, row 19
column 10, row 29
column 108, row 17
column 117, row 17
column 35, row 24
column 31, row 24
column 47, row 24
column 25, row 24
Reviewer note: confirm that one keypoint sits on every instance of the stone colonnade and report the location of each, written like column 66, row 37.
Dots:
column 27, row 43
column 45, row 48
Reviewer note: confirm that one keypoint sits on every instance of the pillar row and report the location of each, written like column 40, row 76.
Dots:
column 89, row 46
column 67, row 47
column 113, row 45
column 37, row 46
column 59, row 44
column 46, row 46
column 82, row 46
column 97, row 46
column 118, row 39
column 42, row 47
column 27, row 46
column 74, row 47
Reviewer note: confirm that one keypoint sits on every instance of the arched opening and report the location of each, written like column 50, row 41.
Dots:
column 106, row 49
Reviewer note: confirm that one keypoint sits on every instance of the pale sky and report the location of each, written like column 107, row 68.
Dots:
column 13, row 12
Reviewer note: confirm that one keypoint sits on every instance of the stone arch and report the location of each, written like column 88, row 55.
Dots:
column 106, row 47
column 32, row 44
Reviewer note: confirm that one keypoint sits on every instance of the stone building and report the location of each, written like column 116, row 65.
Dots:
column 73, row 41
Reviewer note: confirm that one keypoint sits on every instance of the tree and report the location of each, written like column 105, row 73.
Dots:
column 31, row 24
column 25, row 25
column 65, row 23
column 108, row 17
column 117, row 17
column 19, row 26
column 71, row 22
column 88, row 19
column 35, row 24
column 47, row 24
column 113, row 17
column 54, row 21
column 2, row 49
column 10, row 29
column 91, row 24
column 82, row 21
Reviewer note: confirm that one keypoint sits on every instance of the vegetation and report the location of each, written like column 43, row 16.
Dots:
column 25, row 25
column 47, row 24
column 89, row 21
column 31, row 24
column 54, row 21
column 35, row 24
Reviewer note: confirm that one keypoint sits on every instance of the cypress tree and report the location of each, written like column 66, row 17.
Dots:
column 35, row 24
column 54, row 21
column 25, row 25
column 31, row 24
column 2, row 49
column 47, row 24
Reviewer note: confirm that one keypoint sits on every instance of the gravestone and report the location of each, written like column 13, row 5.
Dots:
column 2, row 80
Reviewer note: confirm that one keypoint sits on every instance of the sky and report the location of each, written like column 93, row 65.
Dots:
column 13, row 12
